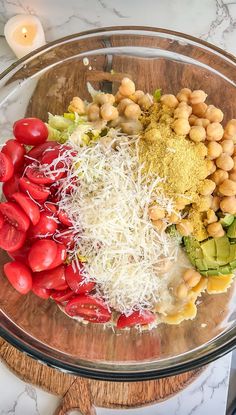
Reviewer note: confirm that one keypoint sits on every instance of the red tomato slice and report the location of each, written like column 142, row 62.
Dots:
column 50, row 279
column 37, row 176
column 16, row 152
column 60, row 256
column 50, row 207
column 11, row 186
column 64, row 219
column 37, row 192
column 36, row 152
column 137, row 317
column 1, row 220
column 41, row 292
column 21, row 255
column 29, row 207
column 11, row 238
column 45, row 227
column 6, row 168
column 62, row 296
column 14, row 215
column 75, row 280
column 42, row 254
column 90, row 308
column 66, row 238
column 19, row 276
column 30, row 131
column 62, row 287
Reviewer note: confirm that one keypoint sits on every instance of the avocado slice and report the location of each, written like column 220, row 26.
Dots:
column 233, row 264
column 227, row 220
column 225, row 270
column 201, row 265
column 232, row 256
column 222, row 250
column 232, row 230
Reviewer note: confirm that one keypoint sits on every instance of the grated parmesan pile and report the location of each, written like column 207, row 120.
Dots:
column 108, row 207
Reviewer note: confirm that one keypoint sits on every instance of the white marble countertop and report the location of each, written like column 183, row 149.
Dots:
column 212, row 20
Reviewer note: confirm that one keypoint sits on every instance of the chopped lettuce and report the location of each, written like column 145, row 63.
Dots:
column 157, row 95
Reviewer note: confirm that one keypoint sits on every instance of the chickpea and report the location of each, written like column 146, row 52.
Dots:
column 197, row 96
column 214, row 150
column 77, row 105
column 181, row 126
column 211, row 217
column 230, row 130
column 232, row 176
column 119, row 97
column 136, row 96
column 145, row 102
column 181, row 291
column 211, row 167
column 117, row 122
column 185, row 228
column 131, row 127
column 108, row 112
column 207, row 187
column 234, row 153
column 127, row 87
column 103, row 98
column 202, row 151
column 214, row 131
column 214, row 114
column 159, row 225
column 191, row 277
column 93, row 112
column 184, row 95
column 173, row 218
column 215, row 205
column 215, row 230
column 192, row 119
column 197, row 133
column 199, row 109
column 132, row 111
column 228, row 188
column 203, row 204
column 228, row 146
column 186, row 106
column 219, row 176
column 234, row 167
column 181, row 202
column 181, row 113
column 203, row 122
column 155, row 213
column 228, row 205
column 225, row 162
column 169, row 100
column 123, row 104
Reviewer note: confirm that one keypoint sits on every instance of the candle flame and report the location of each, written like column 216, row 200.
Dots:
column 24, row 31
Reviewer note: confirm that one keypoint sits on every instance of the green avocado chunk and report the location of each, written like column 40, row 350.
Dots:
column 222, row 250
column 231, row 232
column 227, row 220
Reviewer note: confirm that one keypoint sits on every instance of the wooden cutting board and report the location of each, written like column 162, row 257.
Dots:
column 82, row 394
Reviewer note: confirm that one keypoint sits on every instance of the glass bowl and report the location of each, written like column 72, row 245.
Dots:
column 45, row 81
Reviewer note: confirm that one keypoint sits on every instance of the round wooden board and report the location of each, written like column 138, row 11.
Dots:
column 100, row 393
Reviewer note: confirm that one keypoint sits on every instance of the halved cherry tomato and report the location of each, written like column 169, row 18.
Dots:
column 30, row 131
column 6, row 168
column 66, row 238
column 62, row 296
column 19, row 276
column 90, row 308
column 50, row 279
column 1, row 220
column 60, row 256
column 14, row 215
column 11, row 186
column 64, row 219
column 42, row 254
column 62, row 287
column 35, row 175
column 28, row 205
column 50, row 207
column 21, row 254
column 46, row 226
column 37, row 192
column 16, row 152
column 50, row 155
column 37, row 152
column 11, row 238
column 137, row 317
column 76, row 280
column 41, row 292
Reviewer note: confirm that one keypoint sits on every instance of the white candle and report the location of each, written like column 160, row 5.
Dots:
column 24, row 33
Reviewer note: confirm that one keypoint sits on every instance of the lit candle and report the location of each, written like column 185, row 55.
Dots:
column 24, row 33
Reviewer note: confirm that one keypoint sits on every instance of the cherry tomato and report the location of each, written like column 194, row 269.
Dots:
column 30, row 131
column 46, row 226
column 66, row 238
column 64, row 219
column 60, row 256
column 28, row 205
column 37, row 152
column 50, row 207
column 90, row 308
column 6, row 168
column 16, row 152
column 14, row 215
column 37, row 192
column 21, row 254
column 62, row 296
column 41, row 292
column 11, row 238
column 19, row 276
column 48, row 157
column 35, row 175
column 62, row 287
column 50, row 279
column 1, row 220
column 11, row 186
column 42, row 254
column 75, row 280
column 137, row 317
